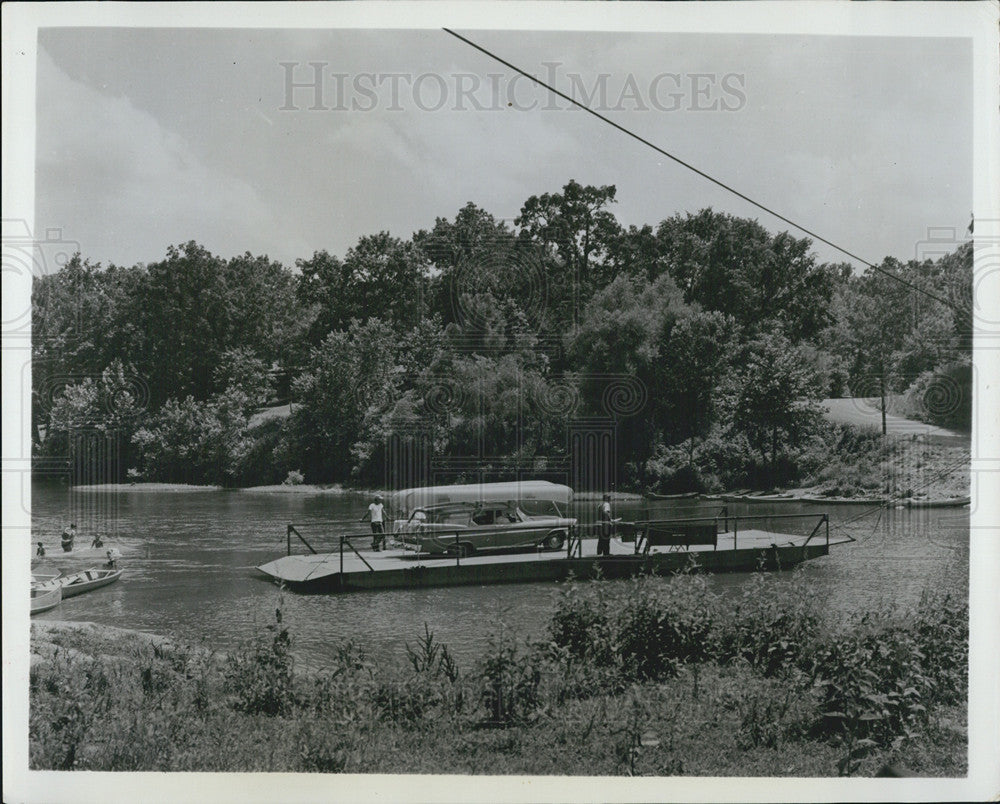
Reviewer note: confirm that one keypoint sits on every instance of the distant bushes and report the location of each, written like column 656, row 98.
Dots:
column 942, row 397
column 657, row 676
column 845, row 457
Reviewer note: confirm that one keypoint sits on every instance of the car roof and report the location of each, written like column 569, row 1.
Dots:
column 458, row 506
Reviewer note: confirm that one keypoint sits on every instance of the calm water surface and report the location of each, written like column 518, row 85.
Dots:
column 189, row 560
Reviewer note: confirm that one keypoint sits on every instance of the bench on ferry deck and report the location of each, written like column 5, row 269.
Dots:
column 681, row 534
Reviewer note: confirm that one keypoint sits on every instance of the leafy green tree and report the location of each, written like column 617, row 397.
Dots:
column 195, row 441
column 695, row 357
column 108, row 408
column 194, row 307
column 380, row 277
column 352, row 377
column 773, row 399
column 185, row 314
column 265, row 317
column 577, row 233
column 620, row 337
column 735, row 266
column 241, row 372
column 325, row 295
column 83, row 318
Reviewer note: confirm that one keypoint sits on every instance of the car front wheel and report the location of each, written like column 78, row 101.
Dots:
column 555, row 540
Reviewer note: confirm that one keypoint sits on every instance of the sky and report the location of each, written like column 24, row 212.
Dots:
column 152, row 137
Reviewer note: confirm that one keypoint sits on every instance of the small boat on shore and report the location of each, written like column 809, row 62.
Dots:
column 42, row 575
column 846, row 500
column 77, row 583
column 761, row 498
column 690, row 495
column 45, row 599
column 954, row 502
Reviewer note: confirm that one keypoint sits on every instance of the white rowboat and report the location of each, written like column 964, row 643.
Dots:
column 45, row 599
column 77, row 583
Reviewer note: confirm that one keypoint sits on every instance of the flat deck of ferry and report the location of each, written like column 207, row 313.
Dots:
column 309, row 569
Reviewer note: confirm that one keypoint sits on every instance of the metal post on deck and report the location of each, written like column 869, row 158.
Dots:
column 826, row 519
column 288, row 540
column 458, row 552
column 341, row 558
column 736, row 527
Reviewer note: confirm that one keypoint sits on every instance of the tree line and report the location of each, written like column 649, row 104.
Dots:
column 483, row 338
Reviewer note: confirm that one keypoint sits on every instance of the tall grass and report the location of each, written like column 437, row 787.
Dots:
column 651, row 676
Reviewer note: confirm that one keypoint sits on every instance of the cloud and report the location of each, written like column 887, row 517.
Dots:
column 116, row 178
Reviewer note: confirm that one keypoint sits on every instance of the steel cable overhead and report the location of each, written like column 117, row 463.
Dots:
column 701, row 173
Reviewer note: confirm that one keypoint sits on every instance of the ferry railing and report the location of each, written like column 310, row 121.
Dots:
column 823, row 521
column 347, row 540
column 459, row 536
column 288, row 536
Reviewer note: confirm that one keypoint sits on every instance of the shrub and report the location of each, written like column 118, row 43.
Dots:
column 508, row 681
column 581, row 625
column 294, row 478
column 260, row 674
column 942, row 635
column 772, row 627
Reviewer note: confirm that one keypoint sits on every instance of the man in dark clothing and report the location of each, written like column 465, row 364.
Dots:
column 604, row 539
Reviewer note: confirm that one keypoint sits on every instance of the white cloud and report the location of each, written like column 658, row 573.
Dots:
column 114, row 177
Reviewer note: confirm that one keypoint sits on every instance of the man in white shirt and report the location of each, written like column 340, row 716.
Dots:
column 375, row 513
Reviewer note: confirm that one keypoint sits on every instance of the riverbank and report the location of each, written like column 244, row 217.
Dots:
column 644, row 678
column 901, row 470
column 302, row 488
column 141, row 487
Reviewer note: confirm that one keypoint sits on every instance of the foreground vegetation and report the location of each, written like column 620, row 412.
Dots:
column 649, row 677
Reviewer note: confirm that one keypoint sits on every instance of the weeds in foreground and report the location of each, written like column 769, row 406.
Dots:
column 654, row 676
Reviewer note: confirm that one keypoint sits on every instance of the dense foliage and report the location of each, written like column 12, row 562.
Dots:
column 702, row 343
column 648, row 677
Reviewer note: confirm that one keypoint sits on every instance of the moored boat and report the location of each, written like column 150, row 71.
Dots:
column 77, row 583
column 45, row 599
column 953, row 502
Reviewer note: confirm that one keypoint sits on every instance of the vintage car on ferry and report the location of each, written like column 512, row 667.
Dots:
column 466, row 528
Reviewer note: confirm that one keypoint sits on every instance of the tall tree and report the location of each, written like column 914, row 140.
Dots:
column 696, row 352
column 578, row 232
column 735, row 266
column 774, row 396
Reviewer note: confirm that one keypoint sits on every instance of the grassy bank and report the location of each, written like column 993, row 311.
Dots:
column 866, row 464
column 650, row 677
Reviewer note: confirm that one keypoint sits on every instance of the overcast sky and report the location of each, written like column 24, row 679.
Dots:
column 152, row 137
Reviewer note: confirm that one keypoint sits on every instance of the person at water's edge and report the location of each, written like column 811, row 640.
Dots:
column 68, row 535
column 375, row 514
column 604, row 539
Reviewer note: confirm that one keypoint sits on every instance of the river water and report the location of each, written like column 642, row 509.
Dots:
column 190, row 558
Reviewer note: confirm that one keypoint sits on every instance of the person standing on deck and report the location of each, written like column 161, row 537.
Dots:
column 604, row 538
column 375, row 511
